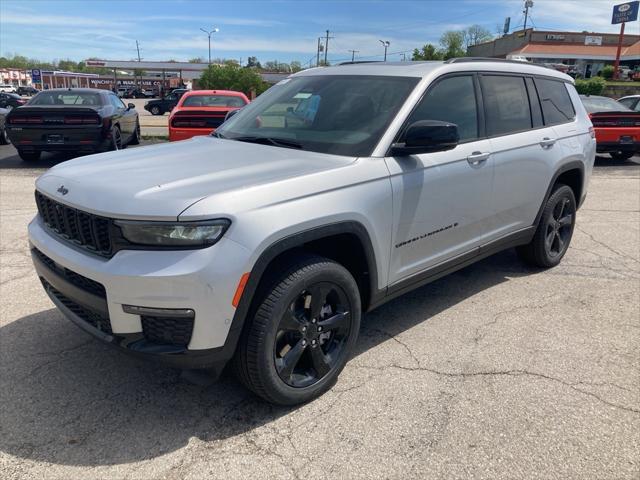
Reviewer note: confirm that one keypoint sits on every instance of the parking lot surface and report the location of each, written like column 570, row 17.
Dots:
column 497, row 371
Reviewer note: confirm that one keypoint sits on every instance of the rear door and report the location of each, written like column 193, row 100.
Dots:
column 441, row 200
column 524, row 150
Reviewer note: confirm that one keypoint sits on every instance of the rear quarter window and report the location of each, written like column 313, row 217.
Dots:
column 555, row 101
column 506, row 104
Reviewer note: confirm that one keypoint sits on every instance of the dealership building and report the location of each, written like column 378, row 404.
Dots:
column 588, row 52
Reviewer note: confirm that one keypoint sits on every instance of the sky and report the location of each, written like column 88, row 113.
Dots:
column 268, row 29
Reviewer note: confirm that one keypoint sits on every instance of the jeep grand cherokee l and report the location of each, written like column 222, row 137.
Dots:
column 264, row 243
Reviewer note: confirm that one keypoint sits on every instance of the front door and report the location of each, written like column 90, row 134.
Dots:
column 441, row 201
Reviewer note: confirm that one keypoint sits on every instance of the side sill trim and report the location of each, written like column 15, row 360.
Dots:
column 521, row 237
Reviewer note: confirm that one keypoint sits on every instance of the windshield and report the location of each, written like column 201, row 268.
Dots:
column 213, row 101
column 337, row 114
column 66, row 98
column 603, row 104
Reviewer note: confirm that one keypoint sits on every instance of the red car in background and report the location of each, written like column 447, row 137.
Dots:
column 200, row 112
column 617, row 127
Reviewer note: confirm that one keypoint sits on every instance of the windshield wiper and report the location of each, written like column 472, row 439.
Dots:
column 218, row 135
column 276, row 142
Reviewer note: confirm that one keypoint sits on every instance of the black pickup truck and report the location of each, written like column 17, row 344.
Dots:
column 166, row 104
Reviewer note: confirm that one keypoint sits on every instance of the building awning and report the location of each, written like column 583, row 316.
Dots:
column 577, row 52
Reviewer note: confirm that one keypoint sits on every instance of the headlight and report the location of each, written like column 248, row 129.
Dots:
column 174, row 234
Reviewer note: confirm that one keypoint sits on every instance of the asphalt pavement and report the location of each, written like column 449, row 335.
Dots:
column 498, row 371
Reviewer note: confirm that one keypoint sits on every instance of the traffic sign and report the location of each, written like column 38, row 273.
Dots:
column 625, row 12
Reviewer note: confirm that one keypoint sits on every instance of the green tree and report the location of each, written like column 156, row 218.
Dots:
column 452, row 43
column 607, row 72
column 232, row 77
column 197, row 60
column 428, row 52
column 476, row 34
column 252, row 62
column 295, row 66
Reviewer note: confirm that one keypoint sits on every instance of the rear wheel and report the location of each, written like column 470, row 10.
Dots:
column 29, row 156
column 554, row 232
column 302, row 333
column 156, row 110
column 4, row 138
column 621, row 155
column 116, row 138
column 135, row 137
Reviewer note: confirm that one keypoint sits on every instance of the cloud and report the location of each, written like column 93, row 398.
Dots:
column 34, row 19
column 217, row 21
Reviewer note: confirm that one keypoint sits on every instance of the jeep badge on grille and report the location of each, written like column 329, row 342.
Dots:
column 63, row 190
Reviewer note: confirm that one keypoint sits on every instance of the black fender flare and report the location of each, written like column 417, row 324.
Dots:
column 283, row 245
column 573, row 165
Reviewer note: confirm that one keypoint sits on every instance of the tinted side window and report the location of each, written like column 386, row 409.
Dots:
column 506, row 104
column 555, row 100
column 451, row 100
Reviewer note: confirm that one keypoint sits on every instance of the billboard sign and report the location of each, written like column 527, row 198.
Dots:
column 592, row 40
column 36, row 76
column 625, row 12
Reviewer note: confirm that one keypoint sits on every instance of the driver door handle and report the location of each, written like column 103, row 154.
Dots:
column 478, row 158
column 547, row 142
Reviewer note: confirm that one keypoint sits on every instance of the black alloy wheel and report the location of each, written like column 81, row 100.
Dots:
column 312, row 334
column 555, row 229
column 559, row 228
column 304, row 325
column 621, row 156
column 116, row 139
column 135, row 136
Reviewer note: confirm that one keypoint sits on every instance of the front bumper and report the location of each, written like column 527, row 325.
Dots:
column 91, row 292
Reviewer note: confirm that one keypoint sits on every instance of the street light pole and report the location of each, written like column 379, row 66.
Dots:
column 209, row 33
column 385, row 44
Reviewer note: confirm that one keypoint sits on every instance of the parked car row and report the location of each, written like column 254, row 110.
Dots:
column 78, row 120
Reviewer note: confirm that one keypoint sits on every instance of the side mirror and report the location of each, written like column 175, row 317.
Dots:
column 426, row 136
column 131, row 106
column 230, row 114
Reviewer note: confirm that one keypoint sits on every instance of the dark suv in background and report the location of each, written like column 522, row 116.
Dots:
column 166, row 104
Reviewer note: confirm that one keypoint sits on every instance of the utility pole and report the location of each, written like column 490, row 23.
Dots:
column 353, row 54
column 326, row 48
column 527, row 5
column 139, row 60
column 318, row 52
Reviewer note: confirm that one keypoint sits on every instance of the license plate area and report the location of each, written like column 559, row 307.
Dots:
column 55, row 139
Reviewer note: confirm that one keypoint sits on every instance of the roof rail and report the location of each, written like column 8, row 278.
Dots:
column 355, row 62
column 482, row 59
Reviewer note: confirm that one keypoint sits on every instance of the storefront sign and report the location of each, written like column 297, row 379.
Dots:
column 592, row 40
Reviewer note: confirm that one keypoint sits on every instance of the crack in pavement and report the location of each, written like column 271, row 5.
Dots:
column 601, row 243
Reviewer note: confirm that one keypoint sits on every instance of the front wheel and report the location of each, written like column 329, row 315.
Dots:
column 620, row 156
column 555, row 229
column 302, row 333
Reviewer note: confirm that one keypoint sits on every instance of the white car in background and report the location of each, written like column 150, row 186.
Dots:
column 7, row 88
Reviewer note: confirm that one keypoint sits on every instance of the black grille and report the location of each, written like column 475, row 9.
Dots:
column 93, row 318
column 168, row 330
column 83, row 229
column 76, row 279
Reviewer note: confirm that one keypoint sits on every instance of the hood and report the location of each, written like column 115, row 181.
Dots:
column 160, row 181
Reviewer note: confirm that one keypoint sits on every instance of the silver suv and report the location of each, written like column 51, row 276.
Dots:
column 335, row 191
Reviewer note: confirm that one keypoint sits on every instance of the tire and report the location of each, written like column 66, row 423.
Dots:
column 284, row 327
column 116, row 139
column 135, row 137
column 4, row 138
column 621, row 156
column 554, row 232
column 29, row 156
column 156, row 110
